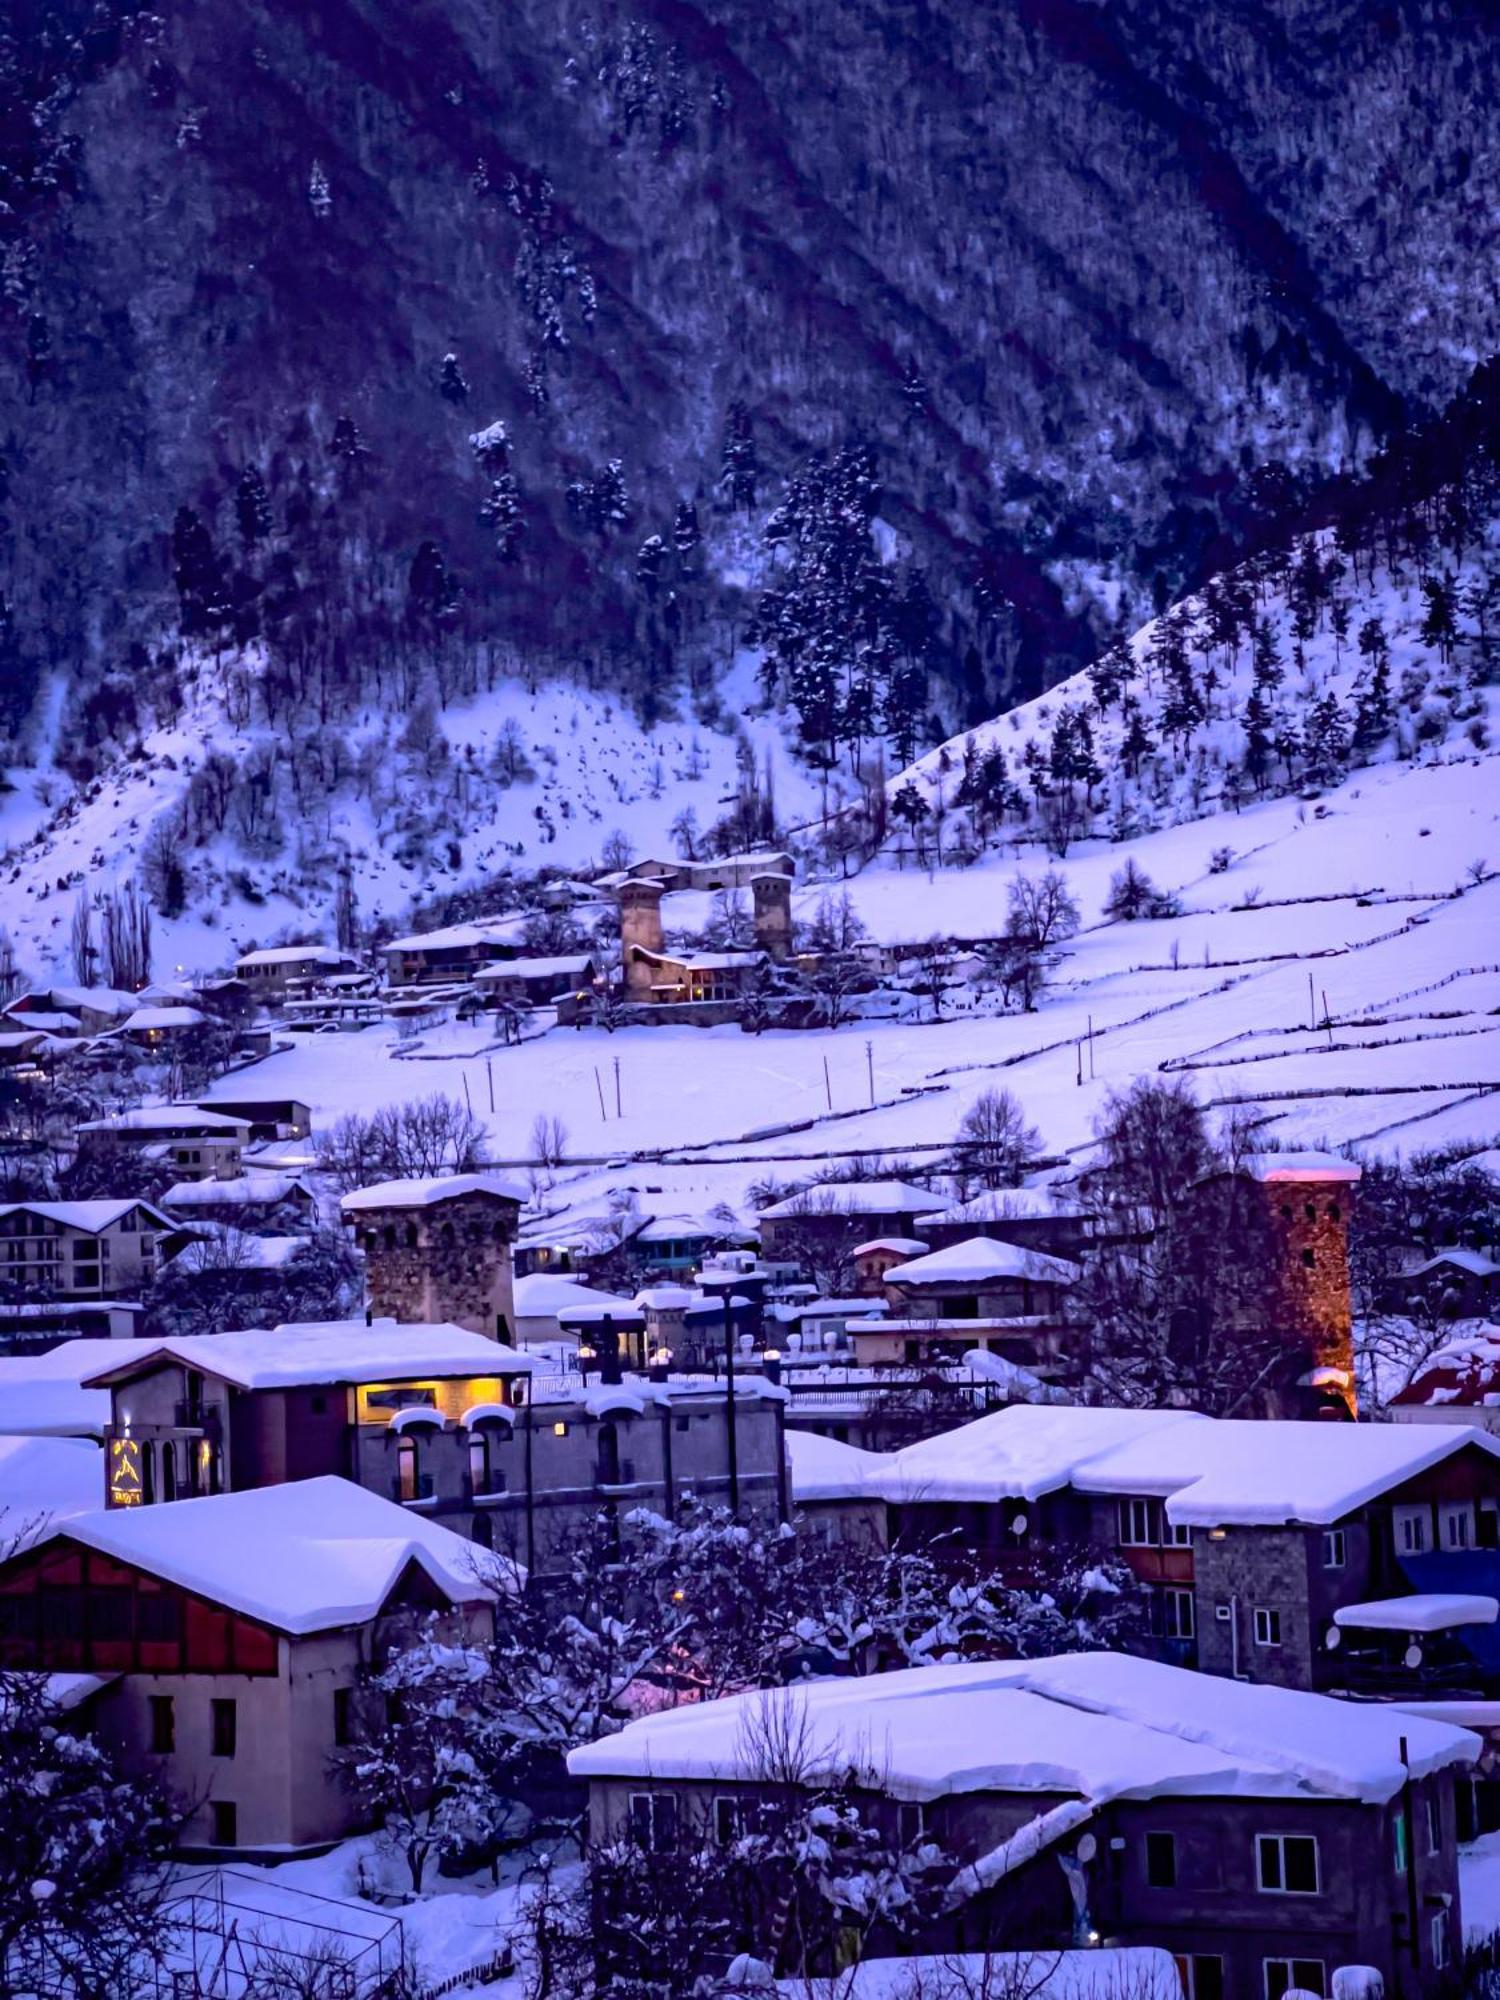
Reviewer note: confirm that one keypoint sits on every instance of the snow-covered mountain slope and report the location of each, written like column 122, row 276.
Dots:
column 519, row 777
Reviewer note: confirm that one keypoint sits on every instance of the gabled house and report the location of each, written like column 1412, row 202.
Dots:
column 71, row 1012
column 267, row 1117
column 187, row 1143
column 535, row 982
column 841, row 1214
column 1453, row 1284
column 270, row 972
column 229, row 1635
column 81, row 1249
column 451, row 955
column 1265, row 1838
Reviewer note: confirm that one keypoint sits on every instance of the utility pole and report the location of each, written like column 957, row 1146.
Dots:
column 733, row 1438
column 870, row 1070
column 468, row 1101
column 827, row 1086
column 489, row 1071
column 599, row 1086
column 617, row 1087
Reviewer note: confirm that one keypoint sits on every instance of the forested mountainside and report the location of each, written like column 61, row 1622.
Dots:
column 385, row 349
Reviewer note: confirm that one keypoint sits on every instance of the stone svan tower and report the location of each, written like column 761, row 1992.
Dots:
column 773, row 914
column 440, row 1250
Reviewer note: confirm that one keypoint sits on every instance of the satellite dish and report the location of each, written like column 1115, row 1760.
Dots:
column 1412, row 1657
column 1088, row 1847
column 1018, row 1524
column 1334, row 1640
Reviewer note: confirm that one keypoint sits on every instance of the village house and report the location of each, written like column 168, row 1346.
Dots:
column 1452, row 1285
column 440, row 1249
column 545, row 1298
column 881, row 1254
column 452, row 955
column 254, row 1201
column 840, row 1214
column 33, row 1326
column 736, row 871
column 80, row 1249
column 183, row 1141
column 438, row 1419
column 1038, row 1218
column 228, row 1637
column 70, row 1012
column 26, row 1055
column 1272, row 1548
column 1458, row 1383
column 982, row 1292
column 270, row 972
column 1266, row 1839
column 535, row 982
column 160, row 1029
column 267, row 1117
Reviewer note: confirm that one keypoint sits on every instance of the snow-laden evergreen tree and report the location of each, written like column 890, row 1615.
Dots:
column 452, row 386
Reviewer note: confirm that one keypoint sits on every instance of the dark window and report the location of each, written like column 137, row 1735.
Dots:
column 1287, row 1863
column 729, row 1819
column 684, row 1423
column 17, row 1615
column 148, row 1474
column 911, row 1822
column 226, row 1823
column 156, row 1618
column 406, row 1470
column 319, row 1406
column 163, row 1724
column 1335, row 1213
column 62, row 1612
column 109, row 1614
column 653, row 1821
column 1161, row 1860
column 225, row 1716
column 1306, row 1974
column 343, row 1716
column 1202, row 1976
column 1309, row 1258
column 168, row 1470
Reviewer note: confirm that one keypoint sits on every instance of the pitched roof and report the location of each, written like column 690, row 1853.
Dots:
column 825, row 1468
column 1307, row 1166
column 309, row 1556
column 317, row 1351
column 166, row 1118
column 1210, row 1471
column 851, row 1198
column 428, row 1193
column 979, row 1259
column 545, row 1294
column 1009, row 1205
column 294, row 954
column 568, row 967
column 89, row 1216
column 1474, row 1262
column 1098, row 1726
column 1463, row 1374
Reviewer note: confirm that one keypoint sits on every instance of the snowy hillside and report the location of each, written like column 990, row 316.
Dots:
column 413, row 804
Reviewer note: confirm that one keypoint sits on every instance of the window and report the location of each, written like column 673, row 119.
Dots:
column 343, row 1716
column 1434, row 1821
column 684, row 1423
column 479, row 1462
column 1399, row 1855
column 1456, row 1525
column 1411, row 1529
column 1174, row 1608
column 1161, row 1860
column 911, row 1822
column 1202, row 1976
column 163, row 1725
column 1335, row 1213
column 1140, row 1524
column 226, row 1823
column 1309, row 1259
column 1306, row 1974
column 168, row 1469
column 1335, row 1548
column 1267, row 1626
column 734, row 1817
column 653, row 1821
column 1287, row 1864
column 1437, row 1932
column 225, row 1718
column 407, row 1475
column 157, row 1619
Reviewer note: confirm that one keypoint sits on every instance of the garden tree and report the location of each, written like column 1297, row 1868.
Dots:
column 1041, row 910
column 1131, row 892
column 833, row 936
column 549, row 1141
column 215, row 1282
column 421, row 1773
column 412, row 1141
column 1183, row 1299
column 686, row 834
column 554, row 934
column 83, row 948
column 1018, row 968
column 83, row 1880
column 995, row 1141
column 741, row 462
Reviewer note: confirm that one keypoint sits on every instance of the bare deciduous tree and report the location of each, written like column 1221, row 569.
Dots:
column 995, row 1140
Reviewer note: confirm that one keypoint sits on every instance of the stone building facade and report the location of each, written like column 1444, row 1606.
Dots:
column 440, row 1251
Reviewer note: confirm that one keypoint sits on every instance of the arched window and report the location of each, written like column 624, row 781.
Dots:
column 479, row 1462
column 1310, row 1210
column 1286, row 1213
column 1335, row 1213
column 446, row 1235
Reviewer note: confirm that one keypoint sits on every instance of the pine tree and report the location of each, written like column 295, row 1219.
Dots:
column 198, row 575
column 914, row 391
column 1258, row 737
column 1372, row 705
column 1109, row 676
column 650, row 561
column 451, row 384
column 502, row 509
column 1269, row 672
column 686, row 534
column 1438, row 626
column 1325, row 741
column 252, row 506
column 741, row 465
column 319, row 196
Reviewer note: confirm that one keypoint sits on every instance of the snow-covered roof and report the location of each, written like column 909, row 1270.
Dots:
column 1308, row 1166
column 294, row 954
column 143, row 1019
column 318, row 1351
column 44, row 1479
column 545, row 1294
column 166, row 1118
column 1211, row 1472
column 979, row 1260
column 41, row 1395
column 248, row 1191
column 672, row 1228
column 308, row 1556
column 1009, row 1205
column 703, row 961
column 900, row 1246
column 1462, row 1374
column 570, row 967
column 792, row 1312
column 101, row 999
column 89, row 1216
column 453, row 937
column 825, row 1468
column 1139, row 1971
column 852, row 1198
column 1431, row 1611
column 671, row 1298
column 1098, row 1726
column 1473, row 1261
column 428, row 1193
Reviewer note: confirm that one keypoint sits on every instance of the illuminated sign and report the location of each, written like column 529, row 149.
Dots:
column 125, row 1472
